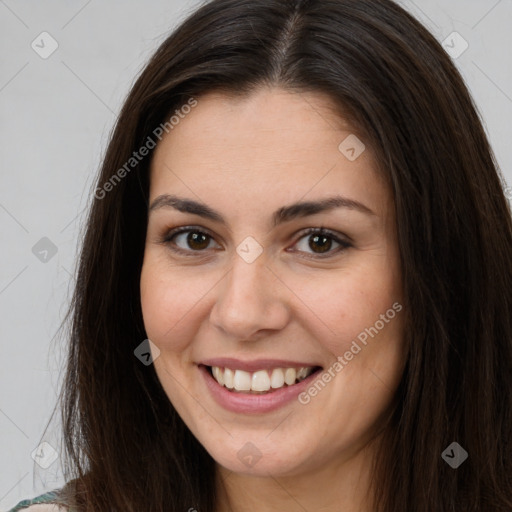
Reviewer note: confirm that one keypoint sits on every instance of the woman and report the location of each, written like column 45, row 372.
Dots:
column 295, row 285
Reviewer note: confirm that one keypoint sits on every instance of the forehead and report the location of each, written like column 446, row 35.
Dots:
column 272, row 146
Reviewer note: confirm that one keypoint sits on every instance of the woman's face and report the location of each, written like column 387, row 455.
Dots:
column 239, row 281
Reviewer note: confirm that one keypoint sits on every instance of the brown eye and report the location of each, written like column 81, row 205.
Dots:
column 191, row 240
column 198, row 241
column 321, row 243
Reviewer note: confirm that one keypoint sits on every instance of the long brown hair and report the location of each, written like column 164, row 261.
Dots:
column 126, row 447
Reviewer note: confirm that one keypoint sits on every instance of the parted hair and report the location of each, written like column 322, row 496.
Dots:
column 126, row 448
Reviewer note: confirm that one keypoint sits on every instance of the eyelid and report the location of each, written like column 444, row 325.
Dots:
column 339, row 237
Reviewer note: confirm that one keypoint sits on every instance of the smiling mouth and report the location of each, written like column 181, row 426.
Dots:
column 260, row 382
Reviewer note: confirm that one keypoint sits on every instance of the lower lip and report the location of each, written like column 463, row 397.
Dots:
column 248, row 403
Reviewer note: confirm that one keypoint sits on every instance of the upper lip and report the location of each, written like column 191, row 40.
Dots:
column 256, row 364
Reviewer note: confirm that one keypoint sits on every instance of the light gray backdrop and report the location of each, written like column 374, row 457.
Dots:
column 66, row 67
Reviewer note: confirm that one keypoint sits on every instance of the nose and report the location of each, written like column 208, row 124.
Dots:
column 250, row 301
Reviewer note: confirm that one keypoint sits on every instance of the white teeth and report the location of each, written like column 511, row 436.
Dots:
column 228, row 378
column 289, row 376
column 219, row 375
column 242, row 380
column 260, row 381
column 277, row 379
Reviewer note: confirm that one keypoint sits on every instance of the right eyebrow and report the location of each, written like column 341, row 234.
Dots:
column 186, row 206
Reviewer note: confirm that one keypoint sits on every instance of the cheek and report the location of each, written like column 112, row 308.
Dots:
column 170, row 303
column 346, row 304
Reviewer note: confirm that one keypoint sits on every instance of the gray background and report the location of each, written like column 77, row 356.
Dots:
column 55, row 117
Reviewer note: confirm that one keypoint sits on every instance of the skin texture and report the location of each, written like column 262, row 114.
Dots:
column 246, row 158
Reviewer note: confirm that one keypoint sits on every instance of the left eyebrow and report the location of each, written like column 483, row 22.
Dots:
column 288, row 213
column 284, row 214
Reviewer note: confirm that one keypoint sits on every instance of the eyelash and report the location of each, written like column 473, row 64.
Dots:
column 343, row 244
